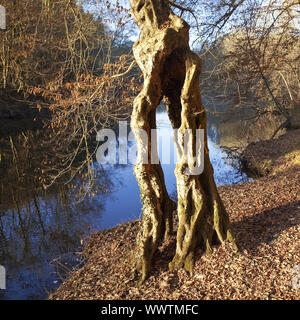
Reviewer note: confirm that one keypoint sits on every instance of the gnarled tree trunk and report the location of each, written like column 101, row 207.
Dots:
column 171, row 72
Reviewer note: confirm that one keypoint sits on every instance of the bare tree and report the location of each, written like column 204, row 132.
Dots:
column 171, row 72
column 255, row 63
column 57, row 57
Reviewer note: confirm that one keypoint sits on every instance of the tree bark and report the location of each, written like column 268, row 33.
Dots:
column 171, row 72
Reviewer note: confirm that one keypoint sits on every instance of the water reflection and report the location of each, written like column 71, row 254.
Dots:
column 38, row 226
column 36, row 231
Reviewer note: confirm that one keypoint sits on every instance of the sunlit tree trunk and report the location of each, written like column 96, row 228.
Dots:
column 171, row 72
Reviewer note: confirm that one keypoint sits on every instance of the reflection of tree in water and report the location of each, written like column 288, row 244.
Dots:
column 38, row 225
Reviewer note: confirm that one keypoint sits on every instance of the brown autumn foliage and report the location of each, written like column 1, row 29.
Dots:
column 58, row 57
column 265, row 218
column 82, row 108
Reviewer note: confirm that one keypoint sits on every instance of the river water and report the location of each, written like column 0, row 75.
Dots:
column 41, row 233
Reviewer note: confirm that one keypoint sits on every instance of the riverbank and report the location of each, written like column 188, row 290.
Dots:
column 265, row 216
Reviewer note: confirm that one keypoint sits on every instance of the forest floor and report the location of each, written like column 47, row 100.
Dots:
column 265, row 216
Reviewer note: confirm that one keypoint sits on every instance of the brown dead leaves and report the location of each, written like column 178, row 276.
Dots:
column 265, row 216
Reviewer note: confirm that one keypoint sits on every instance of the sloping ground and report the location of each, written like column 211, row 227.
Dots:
column 265, row 219
column 272, row 156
